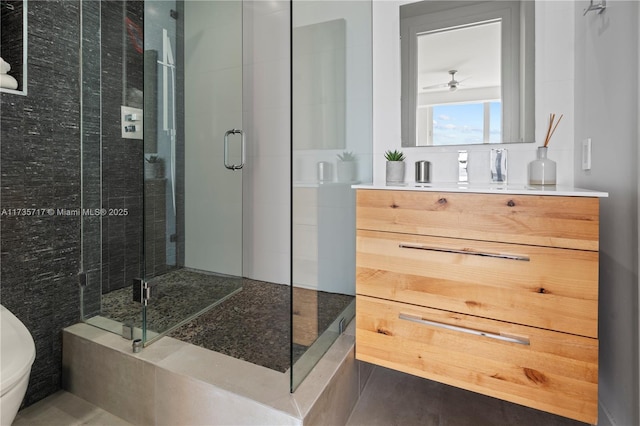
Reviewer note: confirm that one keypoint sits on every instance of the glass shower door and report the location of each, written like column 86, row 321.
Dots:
column 193, row 158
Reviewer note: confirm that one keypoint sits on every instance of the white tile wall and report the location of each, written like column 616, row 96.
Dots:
column 266, row 176
column 324, row 238
column 358, row 86
column 213, row 79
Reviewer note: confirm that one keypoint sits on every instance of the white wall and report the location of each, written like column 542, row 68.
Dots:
column 606, row 99
column 358, row 86
column 213, row 81
column 238, row 85
column 266, row 121
column 554, row 94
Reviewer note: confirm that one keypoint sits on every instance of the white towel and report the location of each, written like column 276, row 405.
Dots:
column 4, row 66
column 8, row 82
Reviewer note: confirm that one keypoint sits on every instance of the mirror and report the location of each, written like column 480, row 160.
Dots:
column 319, row 85
column 467, row 72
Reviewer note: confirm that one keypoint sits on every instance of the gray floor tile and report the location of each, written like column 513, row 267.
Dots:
column 66, row 409
column 393, row 398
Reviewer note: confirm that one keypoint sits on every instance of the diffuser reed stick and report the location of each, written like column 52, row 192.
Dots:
column 552, row 128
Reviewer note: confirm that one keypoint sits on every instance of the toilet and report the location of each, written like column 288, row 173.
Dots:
column 17, row 352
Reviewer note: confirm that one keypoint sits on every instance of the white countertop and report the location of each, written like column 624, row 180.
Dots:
column 487, row 189
column 305, row 184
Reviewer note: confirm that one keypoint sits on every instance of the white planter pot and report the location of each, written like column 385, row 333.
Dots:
column 346, row 171
column 395, row 172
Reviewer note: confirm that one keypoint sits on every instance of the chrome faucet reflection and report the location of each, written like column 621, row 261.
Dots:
column 463, row 161
column 498, row 164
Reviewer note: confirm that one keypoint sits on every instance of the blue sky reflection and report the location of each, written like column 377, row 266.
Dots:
column 456, row 124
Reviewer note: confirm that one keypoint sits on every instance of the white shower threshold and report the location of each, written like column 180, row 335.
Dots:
column 172, row 382
column 116, row 327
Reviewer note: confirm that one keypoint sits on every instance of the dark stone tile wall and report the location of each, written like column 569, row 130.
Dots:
column 40, row 169
column 122, row 159
column 42, row 165
column 11, row 37
column 155, row 223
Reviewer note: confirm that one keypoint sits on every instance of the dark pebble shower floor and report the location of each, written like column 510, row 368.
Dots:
column 253, row 324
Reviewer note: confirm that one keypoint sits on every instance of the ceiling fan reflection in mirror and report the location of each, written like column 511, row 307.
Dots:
column 452, row 84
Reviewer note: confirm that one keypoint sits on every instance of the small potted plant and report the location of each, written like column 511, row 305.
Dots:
column 395, row 166
column 346, row 167
column 154, row 169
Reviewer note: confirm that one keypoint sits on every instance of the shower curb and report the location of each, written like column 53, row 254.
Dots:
column 173, row 382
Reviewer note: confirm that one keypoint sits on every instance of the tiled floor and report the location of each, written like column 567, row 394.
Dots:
column 252, row 324
column 394, row 398
column 389, row 398
column 66, row 409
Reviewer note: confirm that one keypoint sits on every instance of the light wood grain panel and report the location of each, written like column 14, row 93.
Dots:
column 555, row 289
column 305, row 316
column 556, row 372
column 568, row 222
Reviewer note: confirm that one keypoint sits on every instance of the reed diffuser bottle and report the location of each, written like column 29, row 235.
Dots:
column 542, row 170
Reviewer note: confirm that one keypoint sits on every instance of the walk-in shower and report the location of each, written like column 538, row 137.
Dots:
column 204, row 124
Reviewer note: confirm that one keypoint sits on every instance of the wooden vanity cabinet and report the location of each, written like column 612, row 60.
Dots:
column 494, row 293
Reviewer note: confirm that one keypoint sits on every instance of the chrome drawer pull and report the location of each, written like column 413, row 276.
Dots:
column 470, row 252
column 419, row 320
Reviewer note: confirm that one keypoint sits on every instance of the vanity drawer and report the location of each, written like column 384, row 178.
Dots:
column 550, row 288
column 568, row 222
column 546, row 370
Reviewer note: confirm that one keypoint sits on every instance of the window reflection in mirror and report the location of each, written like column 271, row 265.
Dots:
column 456, row 123
column 465, row 105
column 467, row 72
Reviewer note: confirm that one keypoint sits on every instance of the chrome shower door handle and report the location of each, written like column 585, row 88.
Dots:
column 226, row 149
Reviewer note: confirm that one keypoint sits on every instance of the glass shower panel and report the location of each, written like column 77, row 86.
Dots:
column 112, row 76
column 193, row 122
column 91, row 224
column 162, row 110
column 332, row 149
column 161, row 88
